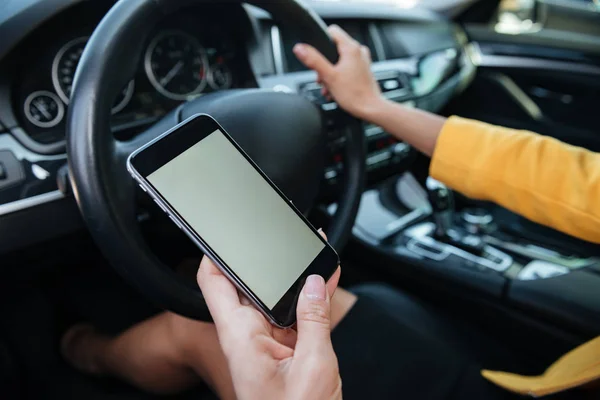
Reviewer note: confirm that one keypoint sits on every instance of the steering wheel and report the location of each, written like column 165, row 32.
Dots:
column 282, row 132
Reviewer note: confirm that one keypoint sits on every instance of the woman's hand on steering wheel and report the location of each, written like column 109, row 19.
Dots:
column 350, row 82
column 270, row 363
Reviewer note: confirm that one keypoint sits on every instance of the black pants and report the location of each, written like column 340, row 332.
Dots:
column 390, row 347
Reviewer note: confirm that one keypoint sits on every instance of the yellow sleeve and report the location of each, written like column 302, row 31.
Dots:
column 540, row 178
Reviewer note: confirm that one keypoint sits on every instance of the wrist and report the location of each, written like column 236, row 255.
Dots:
column 369, row 109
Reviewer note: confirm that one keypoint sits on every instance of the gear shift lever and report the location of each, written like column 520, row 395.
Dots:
column 442, row 204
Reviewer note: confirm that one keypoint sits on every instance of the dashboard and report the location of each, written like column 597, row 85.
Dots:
column 189, row 54
column 420, row 60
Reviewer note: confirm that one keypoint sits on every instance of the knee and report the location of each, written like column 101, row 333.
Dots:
column 188, row 335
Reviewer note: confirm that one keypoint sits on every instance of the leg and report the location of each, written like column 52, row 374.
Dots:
column 165, row 354
column 390, row 346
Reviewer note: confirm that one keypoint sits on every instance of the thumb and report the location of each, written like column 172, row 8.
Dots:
column 313, row 59
column 314, row 317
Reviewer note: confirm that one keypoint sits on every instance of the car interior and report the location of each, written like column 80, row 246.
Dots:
column 83, row 83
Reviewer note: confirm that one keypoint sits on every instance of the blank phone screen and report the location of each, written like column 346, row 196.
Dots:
column 239, row 216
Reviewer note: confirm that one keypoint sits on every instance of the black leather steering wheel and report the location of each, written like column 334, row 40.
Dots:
column 283, row 133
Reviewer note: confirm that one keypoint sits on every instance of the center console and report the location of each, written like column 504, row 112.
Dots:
column 481, row 248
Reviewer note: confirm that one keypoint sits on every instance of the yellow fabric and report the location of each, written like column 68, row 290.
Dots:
column 542, row 179
column 576, row 368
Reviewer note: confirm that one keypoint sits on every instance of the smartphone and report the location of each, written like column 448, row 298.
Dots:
column 226, row 204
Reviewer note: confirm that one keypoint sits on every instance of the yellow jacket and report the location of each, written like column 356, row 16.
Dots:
column 544, row 180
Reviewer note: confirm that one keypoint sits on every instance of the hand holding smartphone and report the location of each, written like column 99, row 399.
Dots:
column 220, row 198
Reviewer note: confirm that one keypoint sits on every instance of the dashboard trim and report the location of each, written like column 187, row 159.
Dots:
column 519, row 96
column 37, row 147
column 495, row 61
column 277, row 45
column 24, row 204
column 377, row 42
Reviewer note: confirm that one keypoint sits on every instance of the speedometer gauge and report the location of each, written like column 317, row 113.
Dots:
column 176, row 65
column 63, row 71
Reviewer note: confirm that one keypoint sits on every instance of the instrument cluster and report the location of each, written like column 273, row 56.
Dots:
column 182, row 60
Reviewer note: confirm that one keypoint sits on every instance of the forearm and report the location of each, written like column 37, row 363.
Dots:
column 418, row 128
column 538, row 177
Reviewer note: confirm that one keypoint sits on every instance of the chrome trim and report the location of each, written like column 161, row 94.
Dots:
column 398, row 225
column 8, row 142
column 537, row 270
column 541, row 253
column 413, row 246
column 377, row 42
column 470, row 218
column 490, row 61
column 421, row 234
column 519, row 96
column 19, row 205
column 277, row 50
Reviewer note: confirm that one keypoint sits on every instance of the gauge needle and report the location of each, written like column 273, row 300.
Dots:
column 41, row 107
column 174, row 71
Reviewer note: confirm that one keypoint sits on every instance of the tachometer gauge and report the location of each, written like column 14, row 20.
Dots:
column 220, row 76
column 63, row 72
column 176, row 65
column 44, row 109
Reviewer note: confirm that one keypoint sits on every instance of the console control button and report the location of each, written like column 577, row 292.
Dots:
column 401, row 149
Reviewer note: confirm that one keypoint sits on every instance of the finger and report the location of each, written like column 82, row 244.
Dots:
column 286, row 337
column 221, row 296
column 322, row 233
column 333, row 282
column 313, row 59
column 340, row 37
column 314, row 317
column 366, row 52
